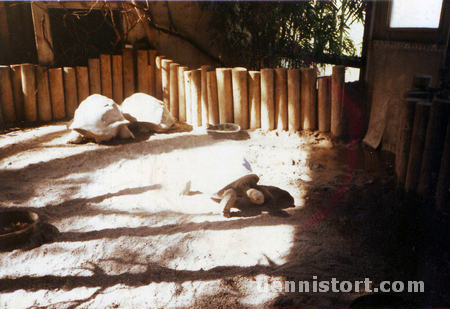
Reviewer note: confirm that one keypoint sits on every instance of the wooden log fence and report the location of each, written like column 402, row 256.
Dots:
column 283, row 99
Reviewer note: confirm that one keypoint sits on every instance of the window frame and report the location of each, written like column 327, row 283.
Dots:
column 418, row 29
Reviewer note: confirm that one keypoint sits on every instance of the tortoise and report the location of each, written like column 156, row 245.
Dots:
column 98, row 118
column 147, row 113
column 229, row 182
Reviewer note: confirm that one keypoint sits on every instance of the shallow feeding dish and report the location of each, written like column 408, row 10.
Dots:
column 225, row 130
column 16, row 227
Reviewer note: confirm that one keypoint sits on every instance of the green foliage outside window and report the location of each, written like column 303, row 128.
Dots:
column 291, row 34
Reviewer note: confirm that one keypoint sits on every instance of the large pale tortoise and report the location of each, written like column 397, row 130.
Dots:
column 98, row 118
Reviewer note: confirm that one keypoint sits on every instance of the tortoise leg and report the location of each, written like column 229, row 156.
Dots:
column 74, row 138
column 124, row 132
column 228, row 199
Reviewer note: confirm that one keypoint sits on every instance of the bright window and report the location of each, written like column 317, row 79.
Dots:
column 415, row 13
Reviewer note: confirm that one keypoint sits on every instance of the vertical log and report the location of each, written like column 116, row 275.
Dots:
column 142, row 71
column 117, row 78
column 240, row 97
column 205, row 105
column 267, row 100
column 158, row 79
column 82, row 83
column 181, row 94
column 6, row 94
column 281, row 108
column 213, row 100
column 128, row 72
column 324, row 103
column 337, row 101
column 309, row 99
column 174, row 106
column 57, row 93
column 293, row 91
column 152, row 77
column 405, row 135
column 105, row 73
column 43, row 94
column 165, row 80
column 187, row 89
column 17, row 91
column 434, row 146
column 70, row 91
column 254, row 99
column 443, row 185
column 29, row 91
column 225, row 94
column 417, row 144
column 196, row 97
column 94, row 76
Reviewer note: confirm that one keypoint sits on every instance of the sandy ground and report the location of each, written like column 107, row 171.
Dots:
column 119, row 235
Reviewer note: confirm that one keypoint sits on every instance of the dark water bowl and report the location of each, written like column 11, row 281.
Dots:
column 377, row 301
column 223, row 130
column 16, row 228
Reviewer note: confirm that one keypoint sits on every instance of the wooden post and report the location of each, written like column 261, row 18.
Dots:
column 128, row 72
column 117, row 78
column 152, row 77
column 5, row 34
column 165, row 79
column 70, row 91
column 417, row 144
column 405, row 135
column 205, row 105
column 434, row 146
column 309, row 99
column 158, row 80
column 57, row 93
column 174, row 104
column 267, row 100
column 105, row 73
column 196, row 97
column 94, row 76
column 44, row 105
column 443, row 185
column 17, row 91
column 142, row 71
column 213, row 99
column 240, row 97
column 324, row 103
column 254, row 99
column 225, row 94
column 293, row 91
column 82, row 83
column 6, row 92
column 182, row 93
column 29, row 91
column 187, row 89
column 337, row 101
column 281, row 108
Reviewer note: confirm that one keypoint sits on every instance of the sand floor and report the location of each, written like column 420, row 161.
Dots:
column 118, row 234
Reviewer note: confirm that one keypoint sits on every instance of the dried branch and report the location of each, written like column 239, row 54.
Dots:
column 145, row 14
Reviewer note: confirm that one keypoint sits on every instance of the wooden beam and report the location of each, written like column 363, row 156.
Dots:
column 42, row 33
